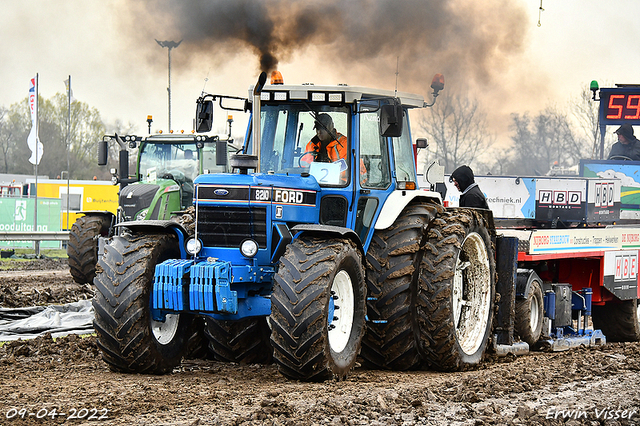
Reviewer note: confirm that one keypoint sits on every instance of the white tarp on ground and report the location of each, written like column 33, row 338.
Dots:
column 59, row 320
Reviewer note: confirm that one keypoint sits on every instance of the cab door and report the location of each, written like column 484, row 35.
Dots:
column 373, row 172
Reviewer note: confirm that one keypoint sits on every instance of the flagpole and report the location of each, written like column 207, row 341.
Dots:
column 35, row 210
column 68, row 146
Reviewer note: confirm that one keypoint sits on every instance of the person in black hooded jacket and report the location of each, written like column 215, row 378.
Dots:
column 471, row 196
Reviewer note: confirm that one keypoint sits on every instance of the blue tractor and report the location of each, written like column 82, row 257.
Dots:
column 305, row 259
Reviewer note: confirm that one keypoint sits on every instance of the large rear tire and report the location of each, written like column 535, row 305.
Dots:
column 619, row 322
column 393, row 260
column 130, row 339
column 529, row 314
column 318, row 309
column 82, row 248
column 245, row 341
column 456, row 291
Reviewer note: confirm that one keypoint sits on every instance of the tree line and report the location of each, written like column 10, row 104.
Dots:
column 86, row 128
column 456, row 127
column 553, row 138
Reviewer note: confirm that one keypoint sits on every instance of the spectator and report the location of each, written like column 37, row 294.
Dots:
column 471, row 196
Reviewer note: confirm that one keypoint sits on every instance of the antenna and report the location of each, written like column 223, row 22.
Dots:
column 205, row 82
column 540, row 10
column 397, row 72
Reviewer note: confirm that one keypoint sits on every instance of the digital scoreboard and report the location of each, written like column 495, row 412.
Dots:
column 620, row 105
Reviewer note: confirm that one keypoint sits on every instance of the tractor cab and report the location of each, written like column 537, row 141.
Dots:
column 342, row 150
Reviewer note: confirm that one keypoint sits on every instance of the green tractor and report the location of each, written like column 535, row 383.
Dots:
column 162, row 185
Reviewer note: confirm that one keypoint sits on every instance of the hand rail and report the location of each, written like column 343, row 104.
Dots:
column 35, row 236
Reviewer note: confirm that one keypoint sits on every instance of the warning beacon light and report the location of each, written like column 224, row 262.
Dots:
column 437, row 84
column 276, row 77
column 594, row 88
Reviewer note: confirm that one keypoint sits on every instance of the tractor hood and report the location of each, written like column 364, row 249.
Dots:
column 138, row 196
column 259, row 187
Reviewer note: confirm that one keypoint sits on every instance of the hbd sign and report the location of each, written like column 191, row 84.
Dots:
column 604, row 195
column 621, row 273
column 559, row 198
column 626, row 268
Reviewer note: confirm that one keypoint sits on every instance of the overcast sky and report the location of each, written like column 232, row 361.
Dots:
column 108, row 48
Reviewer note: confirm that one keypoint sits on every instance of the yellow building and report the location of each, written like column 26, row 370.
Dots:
column 84, row 195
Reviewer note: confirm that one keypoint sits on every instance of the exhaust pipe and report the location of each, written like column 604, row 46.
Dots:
column 255, row 111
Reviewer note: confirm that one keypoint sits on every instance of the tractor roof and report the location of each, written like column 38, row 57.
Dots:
column 334, row 94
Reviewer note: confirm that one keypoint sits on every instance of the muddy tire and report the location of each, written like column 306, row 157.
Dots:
column 131, row 341
column 318, row 309
column 245, row 341
column 529, row 314
column 619, row 322
column 82, row 248
column 198, row 344
column 456, row 291
column 393, row 260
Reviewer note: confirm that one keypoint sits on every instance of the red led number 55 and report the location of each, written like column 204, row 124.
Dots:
column 617, row 106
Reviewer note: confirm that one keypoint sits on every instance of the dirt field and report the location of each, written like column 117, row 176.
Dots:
column 66, row 382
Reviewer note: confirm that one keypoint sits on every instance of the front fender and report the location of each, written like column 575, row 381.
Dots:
column 327, row 230
column 156, row 226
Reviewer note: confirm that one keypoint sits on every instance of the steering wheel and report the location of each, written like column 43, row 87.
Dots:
column 300, row 158
column 620, row 157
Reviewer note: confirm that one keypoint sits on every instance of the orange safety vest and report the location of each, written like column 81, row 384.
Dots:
column 336, row 150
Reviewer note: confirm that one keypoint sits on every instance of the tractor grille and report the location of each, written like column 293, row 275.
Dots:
column 230, row 226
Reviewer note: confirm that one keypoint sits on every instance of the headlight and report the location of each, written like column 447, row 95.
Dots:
column 142, row 214
column 249, row 248
column 193, row 246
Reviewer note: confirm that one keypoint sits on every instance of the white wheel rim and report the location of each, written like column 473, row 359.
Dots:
column 638, row 312
column 164, row 332
column 534, row 314
column 340, row 328
column 471, row 294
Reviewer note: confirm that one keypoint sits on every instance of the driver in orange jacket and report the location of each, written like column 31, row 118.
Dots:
column 328, row 145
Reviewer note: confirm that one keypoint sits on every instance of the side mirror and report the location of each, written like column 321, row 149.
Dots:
column 391, row 121
column 103, row 147
column 422, row 143
column 204, row 116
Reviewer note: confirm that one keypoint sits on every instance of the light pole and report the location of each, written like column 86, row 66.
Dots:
column 169, row 45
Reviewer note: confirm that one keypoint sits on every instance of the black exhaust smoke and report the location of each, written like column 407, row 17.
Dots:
column 465, row 39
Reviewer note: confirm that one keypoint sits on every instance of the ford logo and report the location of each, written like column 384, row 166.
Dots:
column 221, row 192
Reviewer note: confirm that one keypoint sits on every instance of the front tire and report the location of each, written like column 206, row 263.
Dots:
column 318, row 309
column 619, row 322
column 131, row 341
column 456, row 291
column 82, row 248
column 245, row 341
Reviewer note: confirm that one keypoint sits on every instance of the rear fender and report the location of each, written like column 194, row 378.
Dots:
column 523, row 283
column 159, row 226
column 398, row 200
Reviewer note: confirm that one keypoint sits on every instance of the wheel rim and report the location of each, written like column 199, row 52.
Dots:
column 164, row 332
column 472, row 294
column 638, row 312
column 341, row 311
column 534, row 312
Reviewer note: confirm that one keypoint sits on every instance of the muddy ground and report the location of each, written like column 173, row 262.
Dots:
column 66, row 382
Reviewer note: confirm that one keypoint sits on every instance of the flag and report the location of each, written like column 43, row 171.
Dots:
column 67, row 85
column 33, row 141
